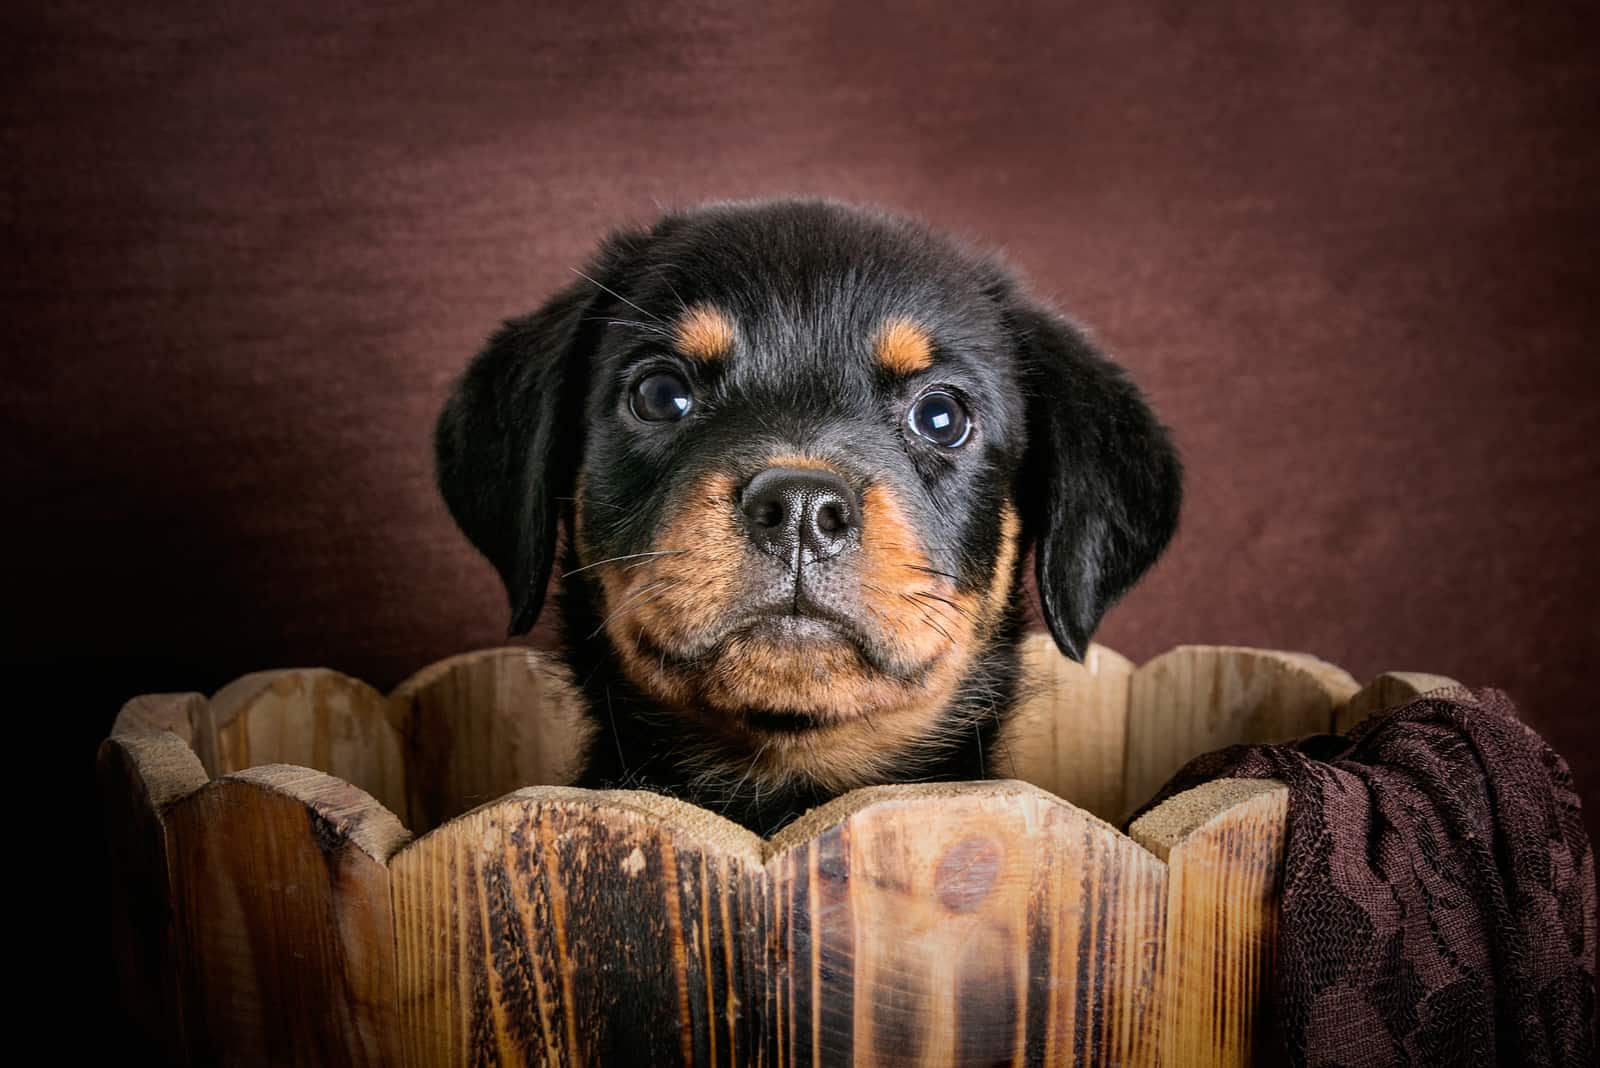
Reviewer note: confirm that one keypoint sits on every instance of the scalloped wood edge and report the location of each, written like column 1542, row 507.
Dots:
column 141, row 771
column 1255, row 695
column 1069, row 732
column 769, row 973
column 1389, row 690
column 284, row 928
column 482, row 724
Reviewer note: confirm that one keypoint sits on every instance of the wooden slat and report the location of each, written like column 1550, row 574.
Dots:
column 141, row 771
column 1388, row 690
column 309, row 717
column 484, row 724
column 1068, row 735
column 1223, row 843
column 285, row 929
column 980, row 923
column 1198, row 698
column 560, row 926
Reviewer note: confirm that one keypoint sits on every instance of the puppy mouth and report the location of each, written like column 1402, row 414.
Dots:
column 786, row 624
column 792, row 624
column 799, row 626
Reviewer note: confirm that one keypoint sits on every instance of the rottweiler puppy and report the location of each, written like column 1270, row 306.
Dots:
column 796, row 454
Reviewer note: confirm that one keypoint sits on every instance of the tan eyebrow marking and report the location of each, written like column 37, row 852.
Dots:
column 798, row 459
column 703, row 333
column 903, row 347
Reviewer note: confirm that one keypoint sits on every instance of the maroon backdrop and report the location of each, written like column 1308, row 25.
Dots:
column 1350, row 249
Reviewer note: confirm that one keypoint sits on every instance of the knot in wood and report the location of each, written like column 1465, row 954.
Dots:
column 967, row 872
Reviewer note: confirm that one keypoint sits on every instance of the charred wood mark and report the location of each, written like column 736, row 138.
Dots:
column 836, row 945
column 967, row 872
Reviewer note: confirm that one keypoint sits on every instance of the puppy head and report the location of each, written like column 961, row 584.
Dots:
column 799, row 449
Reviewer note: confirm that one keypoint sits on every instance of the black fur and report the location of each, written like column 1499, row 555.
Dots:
column 1059, row 430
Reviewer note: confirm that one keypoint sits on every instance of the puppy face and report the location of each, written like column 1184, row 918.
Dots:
column 796, row 487
column 799, row 451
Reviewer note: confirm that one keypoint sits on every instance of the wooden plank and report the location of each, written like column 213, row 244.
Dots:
column 1068, row 734
column 560, row 926
column 1198, row 698
column 1223, row 843
column 484, row 724
column 963, row 924
column 311, row 717
column 140, row 772
column 1389, row 690
column 286, row 936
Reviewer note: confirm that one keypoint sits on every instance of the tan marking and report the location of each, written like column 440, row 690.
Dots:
column 903, row 347
column 703, row 333
column 801, row 460
column 896, row 576
column 1005, row 564
column 869, row 719
column 673, row 598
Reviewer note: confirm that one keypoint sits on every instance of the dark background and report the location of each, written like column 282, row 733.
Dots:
column 1349, row 248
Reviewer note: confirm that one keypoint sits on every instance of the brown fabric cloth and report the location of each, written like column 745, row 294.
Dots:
column 1438, row 899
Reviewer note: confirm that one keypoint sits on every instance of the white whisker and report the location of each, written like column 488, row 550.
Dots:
column 629, row 556
column 653, row 589
column 614, row 293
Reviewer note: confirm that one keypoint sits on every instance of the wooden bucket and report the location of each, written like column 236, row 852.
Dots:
column 273, row 907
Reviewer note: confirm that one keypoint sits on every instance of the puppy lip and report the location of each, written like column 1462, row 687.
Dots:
column 775, row 624
column 781, row 623
column 796, row 626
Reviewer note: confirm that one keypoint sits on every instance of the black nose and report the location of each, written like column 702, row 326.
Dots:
column 789, row 510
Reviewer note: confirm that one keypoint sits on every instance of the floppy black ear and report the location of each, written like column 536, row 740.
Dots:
column 509, row 440
column 1101, row 482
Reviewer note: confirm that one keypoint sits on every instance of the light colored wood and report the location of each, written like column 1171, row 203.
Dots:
column 1198, row 698
column 285, row 932
column 484, row 724
column 1389, row 690
column 309, row 717
column 561, row 926
column 963, row 924
column 175, row 712
column 923, row 924
column 140, row 772
column 1069, row 733
column 1223, row 843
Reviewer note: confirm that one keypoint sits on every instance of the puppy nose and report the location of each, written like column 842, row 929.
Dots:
column 791, row 509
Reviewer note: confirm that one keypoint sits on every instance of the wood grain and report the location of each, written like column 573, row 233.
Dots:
column 1069, row 733
column 279, row 915
column 962, row 924
column 310, row 717
column 570, row 927
column 286, row 936
column 1389, row 690
column 1223, row 843
column 481, row 725
column 1198, row 698
column 175, row 712
column 140, row 772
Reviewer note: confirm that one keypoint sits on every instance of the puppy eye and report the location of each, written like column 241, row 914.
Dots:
column 661, row 396
column 940, row 418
